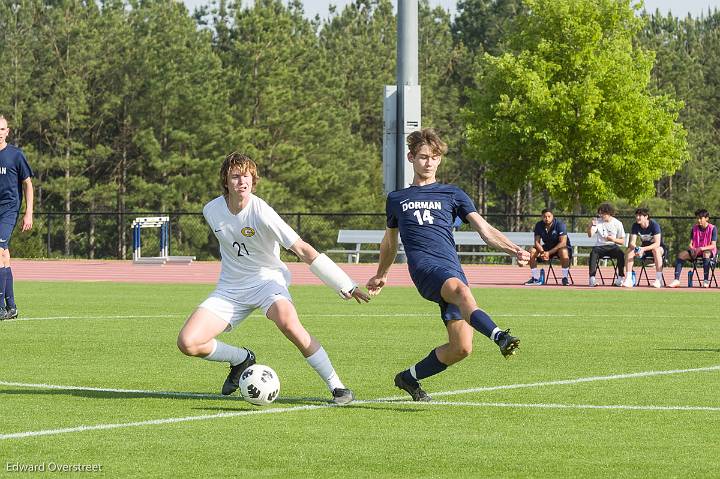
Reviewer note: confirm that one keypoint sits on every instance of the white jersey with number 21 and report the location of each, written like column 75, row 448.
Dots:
column 249, row 243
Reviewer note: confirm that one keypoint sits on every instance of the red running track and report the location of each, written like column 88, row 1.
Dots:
column 209, row 271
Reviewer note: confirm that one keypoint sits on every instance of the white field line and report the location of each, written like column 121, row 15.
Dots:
column 165, row 316
column 564, row 382
column 55, row 318
column 494, row 315
column 341, row 315
column 550, row 405
column 173, row 420
column 170, row 394
column 48, row 432
column 152, row 422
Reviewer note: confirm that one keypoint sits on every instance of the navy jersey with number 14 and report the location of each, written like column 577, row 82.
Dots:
column 425, row 216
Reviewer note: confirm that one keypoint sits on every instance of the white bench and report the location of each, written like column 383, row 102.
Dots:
column 462, row 238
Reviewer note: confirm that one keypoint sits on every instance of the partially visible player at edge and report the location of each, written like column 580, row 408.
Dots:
column 15, row 182
column 252, row 276
column 424, row 214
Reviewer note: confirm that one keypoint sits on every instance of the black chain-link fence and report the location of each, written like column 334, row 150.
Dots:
column 109, row 235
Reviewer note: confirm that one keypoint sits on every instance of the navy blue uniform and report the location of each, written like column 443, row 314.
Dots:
column 425, row 216
column 14, row 169
column 550, row 238
column 646, row 235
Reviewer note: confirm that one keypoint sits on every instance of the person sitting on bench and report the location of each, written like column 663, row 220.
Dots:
column 551, row 240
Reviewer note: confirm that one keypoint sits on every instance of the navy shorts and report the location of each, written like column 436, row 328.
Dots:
column 429, row 282
column 7, row 225
column 570, row 253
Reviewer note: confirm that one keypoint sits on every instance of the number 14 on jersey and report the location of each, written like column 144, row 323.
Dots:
column 426, row 217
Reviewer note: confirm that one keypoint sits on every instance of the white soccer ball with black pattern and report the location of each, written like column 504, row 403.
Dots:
column 259, row 385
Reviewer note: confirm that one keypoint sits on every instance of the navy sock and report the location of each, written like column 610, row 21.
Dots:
column 9, row 293
column 678, row 268
column 3, row 282
column 706, row 268
column 480, row 320
column 427, row 367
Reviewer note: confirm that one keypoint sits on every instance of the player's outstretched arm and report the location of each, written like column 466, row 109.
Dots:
column 27, row 187
column 496, row 239
column 330, row 273
column 388, row 251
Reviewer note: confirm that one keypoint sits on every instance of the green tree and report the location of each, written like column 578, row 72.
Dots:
column 176, row 114
column 570, row 109
column 483, row 25
column 686, row 61
column 284, row 101
column 361, row 42
column 439, row 61
column 480, row 26
column 68, row 54
column 17, row 66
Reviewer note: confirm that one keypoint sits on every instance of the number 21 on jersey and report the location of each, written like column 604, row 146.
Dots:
column 240, row 247
column 426, row 217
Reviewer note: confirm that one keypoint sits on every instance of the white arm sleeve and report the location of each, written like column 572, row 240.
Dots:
column 331, row 274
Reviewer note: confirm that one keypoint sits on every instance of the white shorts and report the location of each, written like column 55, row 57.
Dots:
column 234, row 306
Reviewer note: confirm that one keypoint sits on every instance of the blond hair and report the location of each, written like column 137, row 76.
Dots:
column 240, row 161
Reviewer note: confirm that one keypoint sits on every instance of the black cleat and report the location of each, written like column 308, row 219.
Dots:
column 233, row 379
column 507, row 343
column 415, row 392
column 342, row 396
column 565, row 282
column 10, row 313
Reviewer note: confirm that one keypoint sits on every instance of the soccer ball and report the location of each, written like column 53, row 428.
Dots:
column 259, row 385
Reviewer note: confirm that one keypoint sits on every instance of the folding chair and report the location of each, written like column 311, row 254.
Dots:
column 698, row 273
column 614, row 265
column 551, row 271
column 648, row 261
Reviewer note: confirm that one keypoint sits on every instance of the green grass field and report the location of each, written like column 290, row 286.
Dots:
column 120, row 338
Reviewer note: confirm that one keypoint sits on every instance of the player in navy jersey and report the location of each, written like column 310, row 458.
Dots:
column 15, row 182
column 551, row 240
column 424, row 214
column 651, row 245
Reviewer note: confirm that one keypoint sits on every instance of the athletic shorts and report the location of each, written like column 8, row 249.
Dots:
column 692, row 254
column 429, row 282
column 649, row 254
column 8, row 219
column 234, row 306
column 569, row 250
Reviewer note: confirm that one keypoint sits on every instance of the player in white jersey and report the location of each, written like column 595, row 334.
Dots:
column 250, row 233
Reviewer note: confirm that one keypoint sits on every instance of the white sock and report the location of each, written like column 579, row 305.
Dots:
column 320, row 362
column 658, row 275
column 495, row 333
column 565, row 272
column 225, row 353
column 535, row 273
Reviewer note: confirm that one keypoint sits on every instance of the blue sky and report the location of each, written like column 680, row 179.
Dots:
column 679, row 8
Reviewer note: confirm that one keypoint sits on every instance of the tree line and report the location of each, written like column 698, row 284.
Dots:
column 130, row 105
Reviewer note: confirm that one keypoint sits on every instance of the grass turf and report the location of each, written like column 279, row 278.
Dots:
column 122, row 336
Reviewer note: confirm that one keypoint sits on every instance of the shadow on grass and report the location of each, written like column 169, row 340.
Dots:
column 370, row 406
column 85, row 393
column 242, row 405
column 692, row 350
